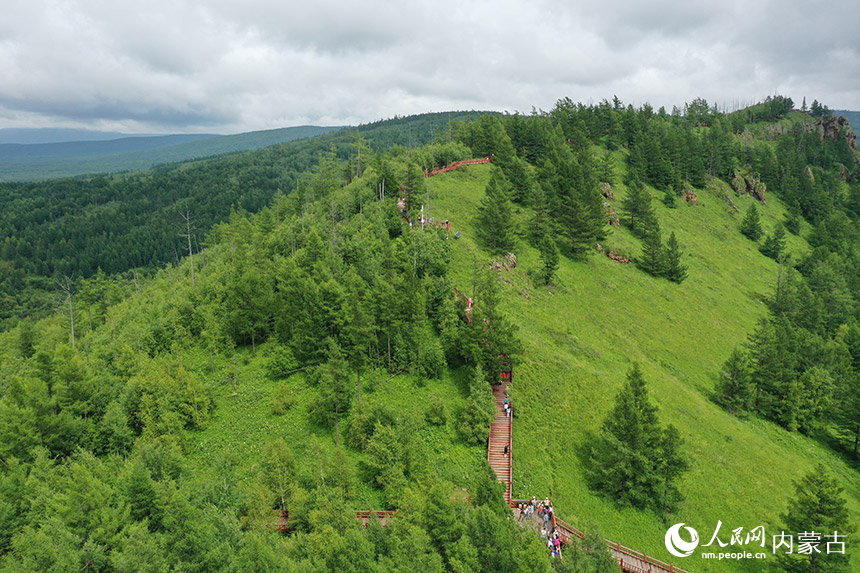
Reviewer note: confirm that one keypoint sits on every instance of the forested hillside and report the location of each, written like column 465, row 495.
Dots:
column 334, row 351
column 74, row 227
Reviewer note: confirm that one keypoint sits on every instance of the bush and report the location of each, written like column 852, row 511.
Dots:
column 282, row 401
column 281, row 362
column 436, row 414
column 433, row 361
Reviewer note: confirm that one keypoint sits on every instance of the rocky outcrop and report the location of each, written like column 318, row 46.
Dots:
column 832, row 128
column 750, row 183
column 606, row 191
column 828, row 128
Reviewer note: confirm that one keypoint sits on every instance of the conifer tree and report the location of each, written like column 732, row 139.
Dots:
column 479, row 411
column 335, row 390
column 494, row 226
column 670, row 466
column 491, row 336
column 583, row 214
column 675, row 271
column 626, row 457
column 791, row 221
column 548, row 258
column 636, row 205
column 751, row 224
column 848, row 411
column 653, row 259
column 413, row 184
column 818, row 506
column 520, row 179
column 733, row 391
column 774, row 243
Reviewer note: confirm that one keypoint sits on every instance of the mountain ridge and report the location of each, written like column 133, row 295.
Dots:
column 35, row 162
column 38, row 135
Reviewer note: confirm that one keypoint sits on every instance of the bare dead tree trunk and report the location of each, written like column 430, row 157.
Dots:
column 66, row 286
column 187, row 235
column 427, row 187
column 336, row 425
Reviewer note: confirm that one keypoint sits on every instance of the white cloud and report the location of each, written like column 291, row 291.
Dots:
column 175, row 66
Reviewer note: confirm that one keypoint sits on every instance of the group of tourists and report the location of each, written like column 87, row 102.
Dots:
column 507, row 406
column 542, row 511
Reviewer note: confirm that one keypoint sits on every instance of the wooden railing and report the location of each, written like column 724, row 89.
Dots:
column 628, row 559
column 381, row 514
column 458, row 164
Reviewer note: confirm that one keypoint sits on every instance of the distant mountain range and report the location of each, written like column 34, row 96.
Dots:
column 60, row 135
column 51, row 158
column 84, row 148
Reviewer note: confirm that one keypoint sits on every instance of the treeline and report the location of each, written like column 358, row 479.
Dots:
column 551, row 163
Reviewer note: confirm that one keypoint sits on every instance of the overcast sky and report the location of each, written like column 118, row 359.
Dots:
column 228, row 66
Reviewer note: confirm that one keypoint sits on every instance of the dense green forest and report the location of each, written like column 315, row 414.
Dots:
column 74, row 227
column 313, row 356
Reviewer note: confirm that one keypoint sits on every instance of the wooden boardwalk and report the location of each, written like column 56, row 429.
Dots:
column 501, row 434
column 628, row 559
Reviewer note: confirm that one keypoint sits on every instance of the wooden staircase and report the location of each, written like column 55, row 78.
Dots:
column 501, row 434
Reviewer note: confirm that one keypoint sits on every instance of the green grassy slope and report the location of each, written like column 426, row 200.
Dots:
column 244, row 421
column 581, row 337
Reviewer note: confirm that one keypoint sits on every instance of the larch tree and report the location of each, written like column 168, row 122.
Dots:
column 494, row 226
column 819, row 512
column 734, row 391
column 335, row 391
column 675, row 271
column 653, row 259
column 774, row 244
column 624, row 455
column 549, row 256
column 751, row 224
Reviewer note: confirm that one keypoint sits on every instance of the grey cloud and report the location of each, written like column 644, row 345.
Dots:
column 228, row 66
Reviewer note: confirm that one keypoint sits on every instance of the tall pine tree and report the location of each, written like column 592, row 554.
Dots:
column 733, row 391
column 818, row 506
column 632, row 459
column 653, row 259
column 751, row 225
column 639, row 214
column 494, row 226
column 675, row 271
column 774, row 243
column 548, row 257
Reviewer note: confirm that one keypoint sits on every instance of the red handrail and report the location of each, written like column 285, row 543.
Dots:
column 458, row 164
